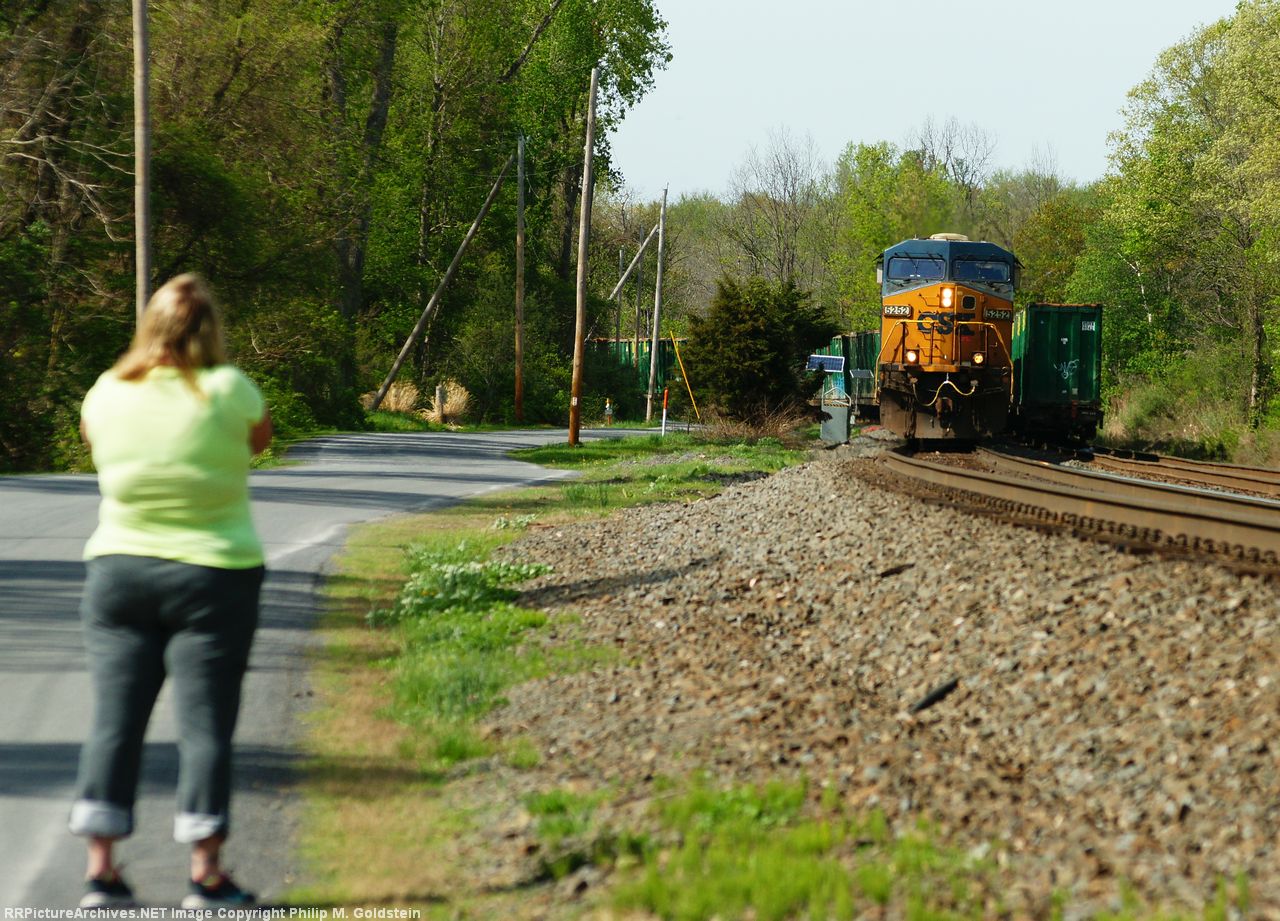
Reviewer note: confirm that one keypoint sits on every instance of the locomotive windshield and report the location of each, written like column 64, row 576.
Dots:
column 903, row 269
column 988, row 271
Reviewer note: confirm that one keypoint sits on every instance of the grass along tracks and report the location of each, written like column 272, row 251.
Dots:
column 715, row 717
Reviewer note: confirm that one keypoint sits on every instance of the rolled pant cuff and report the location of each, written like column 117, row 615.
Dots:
column 189, row 827
column 96, row 819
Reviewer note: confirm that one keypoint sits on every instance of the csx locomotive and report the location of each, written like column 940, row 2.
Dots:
column 945, row 367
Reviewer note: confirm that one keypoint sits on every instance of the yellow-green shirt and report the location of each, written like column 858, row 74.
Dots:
column 173, row 466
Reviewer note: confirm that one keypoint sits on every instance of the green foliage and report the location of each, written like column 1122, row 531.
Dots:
column 461, row 642
column 1185, row 252
column 746, row 355
column 454, row 581
column 320, row 164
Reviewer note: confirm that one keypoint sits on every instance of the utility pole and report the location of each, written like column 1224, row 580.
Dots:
column 444, row 283
column 520, row 280
column 657, row 309
column 141, row 157
column 584, row 237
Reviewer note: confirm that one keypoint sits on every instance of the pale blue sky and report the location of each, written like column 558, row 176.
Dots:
column 1039, row 75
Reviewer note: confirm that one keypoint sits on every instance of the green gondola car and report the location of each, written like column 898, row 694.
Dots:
column 864, row 359
column 1057, row 371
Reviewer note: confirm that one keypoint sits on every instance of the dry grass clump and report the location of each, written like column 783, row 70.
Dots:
column 454, row 408
column 402, row 397
column 785, row 425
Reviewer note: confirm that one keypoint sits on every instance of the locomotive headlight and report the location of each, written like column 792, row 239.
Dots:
column 948, row 296
column 912, row 356
column 979, row 358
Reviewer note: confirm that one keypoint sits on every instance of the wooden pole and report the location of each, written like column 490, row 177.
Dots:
column 634, row 262
column 657, row 309
column 141, row 157
column 584, row 238
column 444, row 283
column 520, row 281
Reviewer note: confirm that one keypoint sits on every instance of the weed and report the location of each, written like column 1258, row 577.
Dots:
column 595, row 495
column 453, row 580
column 522, row 755
column 514, row 523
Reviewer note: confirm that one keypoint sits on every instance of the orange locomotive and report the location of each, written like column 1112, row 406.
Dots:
column 945, row 366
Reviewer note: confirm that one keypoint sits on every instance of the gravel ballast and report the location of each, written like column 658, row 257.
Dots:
column 1108, row 719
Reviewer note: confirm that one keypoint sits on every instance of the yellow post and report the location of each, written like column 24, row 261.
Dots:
column 685, row 375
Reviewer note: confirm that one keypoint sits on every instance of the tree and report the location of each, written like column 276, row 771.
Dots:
column 746, row 355
column 781, row 222
column 1187, row 218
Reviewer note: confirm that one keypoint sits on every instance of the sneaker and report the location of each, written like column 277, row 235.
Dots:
column 217, row 890
column 108, row 892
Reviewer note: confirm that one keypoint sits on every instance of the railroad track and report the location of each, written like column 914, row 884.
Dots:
column 1242, row 528
column 1261, row 481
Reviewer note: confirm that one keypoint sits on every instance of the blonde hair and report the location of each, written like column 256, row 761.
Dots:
column 180, row 328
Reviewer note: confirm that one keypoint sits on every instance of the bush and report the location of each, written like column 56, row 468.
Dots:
column 746, row 357
column 1181, row 406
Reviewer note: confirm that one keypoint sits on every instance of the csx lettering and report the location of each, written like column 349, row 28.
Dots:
column 944, row 324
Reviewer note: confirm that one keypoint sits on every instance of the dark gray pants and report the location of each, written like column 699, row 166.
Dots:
column 146, row 618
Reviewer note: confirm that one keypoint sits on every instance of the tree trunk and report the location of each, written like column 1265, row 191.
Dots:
column 1259, row 369
column 353, row 243
column 571, row 187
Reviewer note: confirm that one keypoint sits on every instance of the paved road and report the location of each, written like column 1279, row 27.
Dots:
column 302, row 514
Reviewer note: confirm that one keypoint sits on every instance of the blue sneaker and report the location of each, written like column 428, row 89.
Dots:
column 110, row 891
column 217, row 890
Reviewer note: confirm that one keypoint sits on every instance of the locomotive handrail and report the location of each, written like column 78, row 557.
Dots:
column 903, row 325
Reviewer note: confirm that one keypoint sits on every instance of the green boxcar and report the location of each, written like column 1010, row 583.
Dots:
column 863, row 367
column 619, row 353
column 1057, row 370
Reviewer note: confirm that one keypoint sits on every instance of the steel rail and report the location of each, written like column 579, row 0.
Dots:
column 1180, row 495
column 1228, row 476
column 1123, row 509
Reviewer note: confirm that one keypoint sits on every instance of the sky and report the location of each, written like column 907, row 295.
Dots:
column 1045, row 78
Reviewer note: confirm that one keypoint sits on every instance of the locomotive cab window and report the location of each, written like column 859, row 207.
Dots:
column 989, row 272
column 904, row 270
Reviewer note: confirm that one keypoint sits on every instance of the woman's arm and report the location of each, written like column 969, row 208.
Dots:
column 260, row 434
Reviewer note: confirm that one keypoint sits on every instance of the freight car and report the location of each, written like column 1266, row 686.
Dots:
column 944, row 368
column 1057, row 372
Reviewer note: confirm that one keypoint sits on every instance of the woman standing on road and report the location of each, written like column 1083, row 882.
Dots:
column 174, row 572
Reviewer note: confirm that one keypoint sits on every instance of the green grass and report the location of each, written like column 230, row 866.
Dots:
column 758, row 852
column 625, row 472
column 764, row 454
column 461, row 641
column 386, row 421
